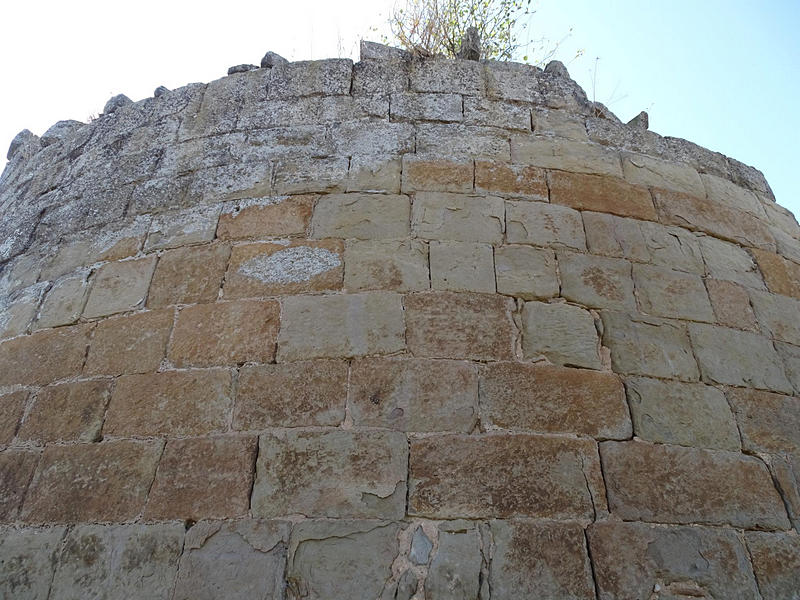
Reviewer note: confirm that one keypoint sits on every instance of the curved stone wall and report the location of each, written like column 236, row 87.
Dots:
column 394, row 329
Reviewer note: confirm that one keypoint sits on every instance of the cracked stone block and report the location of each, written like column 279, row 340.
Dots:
column 171, row 403
column 270, row 269
column 525, row 272
column 306, row 393
column 112, row 561
column 238, row 560
column 552, row 399
column 88, row 482
column 674, row 484
column 596, row 281
column 189, row 275
column 731, row 304
column 673, row 294
column 543, row 224
column 777, row 315
column 455, row 570
column 184, row 228
column 668, row 175
column 462, row 267
column 16, row 470
column 57, row 353
column 730, row 262
column 566, row 155
column 511, row 181
column 12, row 407
column 435, row 174
column 685, row 414
column 631, row 560
column 370, row 469
column 768, row 422
column 439, row 216
column 64, row 303
column 414, row 394
column 400, row 266
column 426, row 107
column 29, row 560
column 341, row 559
column 119, row 287
column 225, row 333
column 361, row 216
column 782, row 276
column 776, row 562
column 266, row 217
column 563, row 333
column 601, row 194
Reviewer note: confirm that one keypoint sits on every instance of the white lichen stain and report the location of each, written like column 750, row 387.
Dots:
column 293, row 265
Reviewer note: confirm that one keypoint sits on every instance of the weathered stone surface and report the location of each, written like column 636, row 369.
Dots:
column 596, row 281
column 310, row 175
column 297, row 394
column 439, row 216
column 439, row 75
column 543, row 224
column 685, row 414
column 421, row 173
column 781, row 276
column 12, row 407
column 462, row 267
column 401, row 266
column 119, row 287
column 730, row 262
column 565, row 334
column 225, row 333
column 525, row 272
column 188, row 276
column 361, row 216
column 203, row 478
column 451, row 325
column 55, row 354
column 776, row 562
column 494, row 113
column 374, row 174
column 539, row 560
column 269, row 269
column 170, row 403
column 130, row 344
column 64, row 302
column 380, row 76
column 727, row 193
column 777, row 316
column 673, row 484
column 16, row 471
column 791, row 362
column 455, row 570
column 768, row 422
column 454, row 476
column 67, row 412
column 567, row 155
column 511, row 180
column 18, row 311
column 737, row 358
column 731, row 305
column 265, row 217
column 370, row 468
column 460, row 142
column 311, row 77
column 112, row 561
column 238, row 560
column 558, row 123
column 194, row 226
column 552, row 399
column 652, row 172
column 345, row 559
column 667, row 293
column 341, row 326
column 92, row 482
column 426, row 107
column 653, row 347
column 414, row 394
column 601, row 194
column 638, row 560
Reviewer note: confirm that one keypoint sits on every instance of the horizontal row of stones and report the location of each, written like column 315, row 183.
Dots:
column 448, row 560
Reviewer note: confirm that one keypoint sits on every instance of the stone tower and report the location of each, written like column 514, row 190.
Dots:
column 396, row 329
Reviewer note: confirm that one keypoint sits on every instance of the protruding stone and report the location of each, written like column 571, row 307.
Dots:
column 60, row 131
column 115, row 103
column 640, row 121
column 375, row 51
column 160, row 91
column 241, row 68
column 421, row 548
column 470, row 45
column 273, row 59
column 25, row 142
column 557, row 68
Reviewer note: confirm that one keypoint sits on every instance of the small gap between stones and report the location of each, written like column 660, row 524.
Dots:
column 591, row 564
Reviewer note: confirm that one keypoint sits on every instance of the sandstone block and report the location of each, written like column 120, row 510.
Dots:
column 596, row 281
column 728, row 193
column 374, row 174
column 434, row 174
column 188, row 276
column 781, row 276
column 768, row 422
column 370, row 469
column 494, row 113
column 462, row 267
column 510, row 180
column 731, row 305
column 543, row 224
column 44, row 356
column 513, row 81
column 459, row 141
column 601, row 194
column 455, row 217
column 776, row 562
column 673, row 484
column 291, row 395
column 29, row 561
column 453, row 476
column 559, row 123
column 203, row 478
column 791, row 362
column 426, row 107
column 130, row 344
column 18, row 310
column 361, row 216
column 525, row 272
column 685, row 414
column 788, row 246
column 786, row 474
column 341, row 326
column 730, row 262
column 455, row 569
column 451, row 325
column 309, row 175
column 16, row 471
column 310, row 77
column 265, row 217
column 566, row 155
column 170, row 403
column 269, row 269
column 12, row 407
column 778, row 315
column 414, row 394
column 92, row 482
column 119, row 287
column 667, row 293
column 64, row 302
column 652, row 172
column 443, row 76
column 400, row 266
column 563, row 333
column 225, row 333
column 194, row 226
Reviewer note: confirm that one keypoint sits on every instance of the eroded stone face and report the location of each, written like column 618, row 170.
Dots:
column 776, row 562
column 563, row 333
column 29, row 561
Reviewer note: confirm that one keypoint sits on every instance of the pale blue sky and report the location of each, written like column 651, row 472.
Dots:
column 722, row 74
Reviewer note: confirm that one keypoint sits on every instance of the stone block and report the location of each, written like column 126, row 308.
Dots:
column 565, row 155
column 18, row 310
column 666, row 293
column 434, row 174
column 203, row 478
column 738, row 358
column 639, row 560
column 559, row 123
column 92, row 482
column 370, row 468
column 791, row 362
column 379, row 77
column 374, row 174
column 778, row 315
column 188, row 275
column 462, row 267
column 341, row 326
column 467, row 326
column 601, row 194
column 597, row 281
column 301, row 394
column 550, row 399
column 781, row 276
column 729, row 262
column 668, row 175
column 685, row 414
column 562, row 333
column 525, row 272
column 454, row 476
column 194, row 226
column 131, row 344
column 64, row 303
column 225, row 333
column 310, row 175
column 673, row 484
column 728, row 193
column 652, row 347
column 426, row 107
column 456, row 217
column 400, row 266
column 776, row 562
column 458, row 141
column 731, row 304
column 414, row 394
column 768, row 422
column 543, row 224
column 67, row 412
column 361, row 216
column 170, row 403
column 119, row 287
column 511, row 181
column 328, row 77
column 237, row 560
column 12, row 407
column 513, row 81
column 788, row 246
column 273, row 268
column 16, row 470
column 29, row 560
column 493, row 113
column 455, row 571
column 44, row 356
column 439, row 75
column 381, row 138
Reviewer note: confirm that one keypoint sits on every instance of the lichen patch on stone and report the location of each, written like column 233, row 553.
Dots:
column 292, row 265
